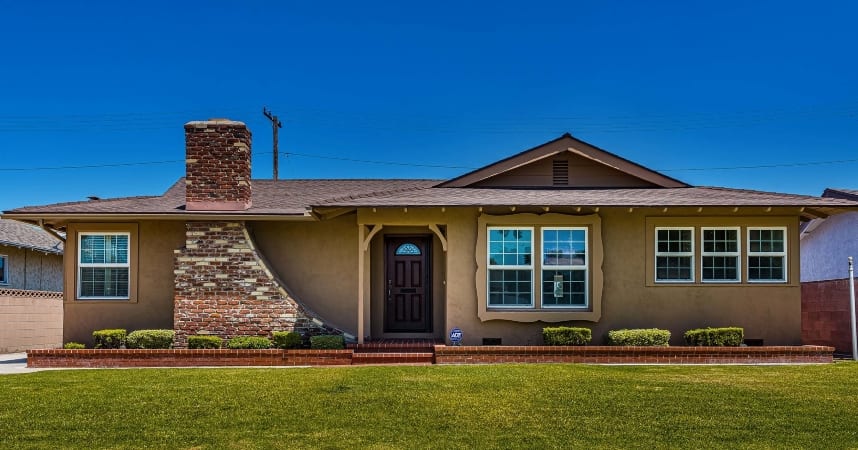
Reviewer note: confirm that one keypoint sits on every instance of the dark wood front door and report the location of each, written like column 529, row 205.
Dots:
column 408, row 306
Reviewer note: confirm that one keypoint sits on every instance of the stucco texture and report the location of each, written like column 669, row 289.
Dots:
column 825, row 250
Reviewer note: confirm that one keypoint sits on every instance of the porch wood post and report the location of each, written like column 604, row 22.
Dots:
column 361, row 247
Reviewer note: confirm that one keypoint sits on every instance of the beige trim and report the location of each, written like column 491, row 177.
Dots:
column 70, row 261
column 564, row 143
column 440, row 235
column 743, row 223
column 592, row 222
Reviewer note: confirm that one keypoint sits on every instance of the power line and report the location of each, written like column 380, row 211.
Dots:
column 408, row 164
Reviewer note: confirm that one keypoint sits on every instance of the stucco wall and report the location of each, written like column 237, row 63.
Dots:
column 30, row 320
column 151, row 305
column 33, row 270
column 824, row 251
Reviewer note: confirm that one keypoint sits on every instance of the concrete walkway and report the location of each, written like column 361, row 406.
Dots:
column 11, row 363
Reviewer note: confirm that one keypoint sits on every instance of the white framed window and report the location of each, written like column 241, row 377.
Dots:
column 564, row 267
column 720, row 255
column 510, row 267
column 4, row 270
column 674, row 254
column 767, row 254
column 103, row 266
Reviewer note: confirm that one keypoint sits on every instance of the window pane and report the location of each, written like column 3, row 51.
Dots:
column 720, row 268
column 104, row 249
column 510, row 247
column 510, row 287
column 564, row 288
column 675, row 268
column 3, row 270
column 104, row 282
column 766, row 268
column 564, row 247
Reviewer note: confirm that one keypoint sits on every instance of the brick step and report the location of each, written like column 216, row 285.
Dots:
column 395, row 346
column 393, row 358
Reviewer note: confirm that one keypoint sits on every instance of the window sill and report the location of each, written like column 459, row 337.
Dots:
column 540, row 315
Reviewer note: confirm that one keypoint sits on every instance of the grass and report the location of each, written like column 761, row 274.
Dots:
column 500, row 406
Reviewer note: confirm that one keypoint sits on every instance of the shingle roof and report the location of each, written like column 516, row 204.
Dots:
column 691, row 196
column 22, row 235
column 269, row 197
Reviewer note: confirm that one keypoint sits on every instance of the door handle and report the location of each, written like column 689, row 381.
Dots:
column 389, row 288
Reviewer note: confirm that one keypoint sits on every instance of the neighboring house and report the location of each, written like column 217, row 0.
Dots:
column 826, row 245
column 30, row 258
column 31, row 281
column 564, row 233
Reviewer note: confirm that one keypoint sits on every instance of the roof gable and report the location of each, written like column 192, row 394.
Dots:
column 565, row 162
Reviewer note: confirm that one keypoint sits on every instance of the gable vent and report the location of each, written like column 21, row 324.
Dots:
column 560, row 174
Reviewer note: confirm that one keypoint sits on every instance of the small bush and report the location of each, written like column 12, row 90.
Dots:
column 649, row 337
column 204, row 341
column 327, row 342
column 715, row 337
column 249, row 342
column 110, row 338
column 566, row 335
column 150, row 339
column 287, row 339
column 73, row 346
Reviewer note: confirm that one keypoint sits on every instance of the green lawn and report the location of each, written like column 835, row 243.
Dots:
column 501, row 406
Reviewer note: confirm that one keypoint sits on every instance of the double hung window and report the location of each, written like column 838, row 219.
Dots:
column 4, row 270
column 550, row 273
column 103, row 266
column 767, row 254
column 674, row 254
column 720, row 255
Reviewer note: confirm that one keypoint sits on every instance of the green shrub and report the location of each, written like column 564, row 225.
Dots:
column 715, row 337
column 327, row 342
column 110, row 338
column 249, row 342
column 150, row 339
column 287, row 339
column 73, row 346
column 204, row 341
column 566, row 335
column 648, row 337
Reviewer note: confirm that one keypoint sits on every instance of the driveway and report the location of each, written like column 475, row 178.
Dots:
column 14, row 363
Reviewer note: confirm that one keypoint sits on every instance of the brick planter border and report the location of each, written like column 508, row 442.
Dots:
column 808, row 354
column 59, row 358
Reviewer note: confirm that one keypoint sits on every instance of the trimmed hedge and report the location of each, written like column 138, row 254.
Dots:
column 109, row 338
column 287, row 339
column 642, row 337
column 73, row 346
column 204, row 341
column 715, row 337
column 150, row 339
column 249, row 342
column 327, row 342
column 566, row 335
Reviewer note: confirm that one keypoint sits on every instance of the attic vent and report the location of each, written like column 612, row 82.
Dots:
column 560, row 176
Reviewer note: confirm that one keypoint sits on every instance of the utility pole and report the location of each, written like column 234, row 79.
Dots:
column 275, row 124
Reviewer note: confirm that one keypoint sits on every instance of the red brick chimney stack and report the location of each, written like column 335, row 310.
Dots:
column 217, row 165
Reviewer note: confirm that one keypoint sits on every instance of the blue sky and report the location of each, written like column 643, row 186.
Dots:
column 671, row 85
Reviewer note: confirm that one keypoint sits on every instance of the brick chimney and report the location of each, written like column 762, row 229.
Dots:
column 217, row 165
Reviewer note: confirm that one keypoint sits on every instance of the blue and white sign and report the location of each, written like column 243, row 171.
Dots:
column 456, row 336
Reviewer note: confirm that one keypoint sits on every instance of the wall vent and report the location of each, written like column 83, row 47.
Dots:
column 560, row 174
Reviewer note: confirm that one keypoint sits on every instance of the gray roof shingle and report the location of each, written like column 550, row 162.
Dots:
column 23, row 235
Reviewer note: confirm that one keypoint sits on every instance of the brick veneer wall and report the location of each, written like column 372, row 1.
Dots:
column 217, row 174
column 825, row 314
column 225, row 288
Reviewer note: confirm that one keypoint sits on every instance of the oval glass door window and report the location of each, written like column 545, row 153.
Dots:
column 408, row 249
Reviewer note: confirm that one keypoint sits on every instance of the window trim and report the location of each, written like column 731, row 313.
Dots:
column 585, row 267
column 4, row 271
column 80, row 265
column 490, row 267
column 783, row 254
column 690, row 255
column 737, row 254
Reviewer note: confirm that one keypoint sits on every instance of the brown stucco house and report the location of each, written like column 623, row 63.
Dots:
column 563, row 233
